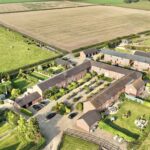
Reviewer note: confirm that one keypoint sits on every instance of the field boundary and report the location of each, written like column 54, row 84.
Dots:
column 102, row 44
column 26, row 35
column 47, row 9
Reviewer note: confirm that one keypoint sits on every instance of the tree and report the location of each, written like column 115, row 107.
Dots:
column 33, row 130
column 12, row 118
column 15, row 93
column 20, row 73
column 22, row 129
column 28, row 131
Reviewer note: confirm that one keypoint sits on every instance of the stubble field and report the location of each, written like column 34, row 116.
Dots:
column 33, row 6
column 72, row 28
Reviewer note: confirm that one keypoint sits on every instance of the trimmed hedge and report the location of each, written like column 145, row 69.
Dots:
column 27, row 67
column 26, row 112
column 104, row 44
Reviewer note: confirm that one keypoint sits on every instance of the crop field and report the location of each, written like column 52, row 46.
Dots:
column 17, row 51
column 72, row 28
column 20, row 1
column 32, row 6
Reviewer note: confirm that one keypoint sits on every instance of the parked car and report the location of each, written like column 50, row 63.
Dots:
column 37, row 107
column 44, row 102
column 51, row 115
column 72, row 115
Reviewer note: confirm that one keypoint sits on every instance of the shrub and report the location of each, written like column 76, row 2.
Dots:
column 76, row 54
column 26, row 112
column 79, row 106
column 128, row 1
column 1, row 102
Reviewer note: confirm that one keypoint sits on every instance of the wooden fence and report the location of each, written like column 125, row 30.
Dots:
column 103, row 144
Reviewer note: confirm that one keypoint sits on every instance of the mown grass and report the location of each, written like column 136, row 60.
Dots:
column 4, row 127
column 10, row 141
column 146, row 144
column 73, row 143
column 23, row 84
column 126, row 127
column 15, row 51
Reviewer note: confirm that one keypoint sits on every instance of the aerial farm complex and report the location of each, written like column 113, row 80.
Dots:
column 74, row 75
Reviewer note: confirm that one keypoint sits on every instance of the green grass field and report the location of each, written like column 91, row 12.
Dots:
column 20, row 1
column 143, row 4
column 146, row 144
column 32, row 79
column 73, row 143
column 10, row 141
column 135, row 113
column 126, row 125
column 15, row 52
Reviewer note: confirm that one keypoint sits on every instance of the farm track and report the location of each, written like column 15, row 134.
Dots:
column 72, row 28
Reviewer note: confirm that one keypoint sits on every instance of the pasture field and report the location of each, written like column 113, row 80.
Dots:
column 16, row 51
column 73, row 143
column 142, row 4
column 32, row 6
column 73, row 28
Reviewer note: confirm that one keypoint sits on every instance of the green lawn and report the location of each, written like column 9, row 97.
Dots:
column 12, row 142
column 146, row 144
column 17, row 51
column 143, row 4
column 124, row 50
column 4, row 127
column 20, row 1
column 126, row 125
column 73, row 143
column 39, row 76
column 23, row 84
column 135, row 113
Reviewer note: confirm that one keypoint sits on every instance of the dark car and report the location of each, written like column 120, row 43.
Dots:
column 44, row 103
column 51, row 115
column 72, row 115
column 37, row 107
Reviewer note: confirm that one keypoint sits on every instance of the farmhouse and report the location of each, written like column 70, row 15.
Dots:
column 89, row 120
column 60, row 61
column 109, row 70
column 141, row 53
column 111, row 94
column 28, row 100
column 63, row 79
column 88, row 53
column 135, row 88
column 137, row 62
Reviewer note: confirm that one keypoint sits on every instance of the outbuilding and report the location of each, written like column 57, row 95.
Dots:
column 89, row 120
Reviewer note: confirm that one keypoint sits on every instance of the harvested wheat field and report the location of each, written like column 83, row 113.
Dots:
column 32, row 6
column 72, row 28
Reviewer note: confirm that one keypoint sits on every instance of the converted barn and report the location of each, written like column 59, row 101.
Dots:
column 89, row 120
